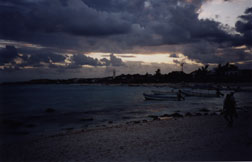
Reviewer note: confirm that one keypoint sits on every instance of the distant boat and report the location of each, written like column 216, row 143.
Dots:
column 160, row 97
column 199, row 94
column 156, row 92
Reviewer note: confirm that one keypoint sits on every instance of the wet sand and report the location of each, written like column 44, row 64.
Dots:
column 192, row 138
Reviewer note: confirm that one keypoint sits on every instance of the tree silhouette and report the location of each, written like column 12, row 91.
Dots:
column 201, row 73
column 221, row 70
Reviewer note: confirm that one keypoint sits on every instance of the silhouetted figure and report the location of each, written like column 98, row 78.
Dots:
column 229, row 108
column 180, row 96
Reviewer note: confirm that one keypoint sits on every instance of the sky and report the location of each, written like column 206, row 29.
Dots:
column 60, row 39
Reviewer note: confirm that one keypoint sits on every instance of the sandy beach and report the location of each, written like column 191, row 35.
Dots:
column 204, row 138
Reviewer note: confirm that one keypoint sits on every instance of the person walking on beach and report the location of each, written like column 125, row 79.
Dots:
column 229, row 108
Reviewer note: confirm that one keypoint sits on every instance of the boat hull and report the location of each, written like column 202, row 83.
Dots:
column 160, row 97
column 198, row 94
column 155, row 92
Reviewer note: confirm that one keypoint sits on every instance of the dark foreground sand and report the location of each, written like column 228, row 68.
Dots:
column 189, row 138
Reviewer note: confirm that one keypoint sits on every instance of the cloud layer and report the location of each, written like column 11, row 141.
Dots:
column 115, row 26
column 137, row 23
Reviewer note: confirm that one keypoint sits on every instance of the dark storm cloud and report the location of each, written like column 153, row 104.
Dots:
column 8, row 54
column 205, row 52
column 144, row 22
column 224, row 50
column 12, row 58
column 17, row 2
column 244, row 26
column 80, row 59
column 114, row 61
column 64, row 2
column 184, row 26
column 101, row 5
column 49, row 17
column 36, row 59
column 118, row 26
column 117, row 6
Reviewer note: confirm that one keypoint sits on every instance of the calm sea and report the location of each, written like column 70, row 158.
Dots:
column 85, row 106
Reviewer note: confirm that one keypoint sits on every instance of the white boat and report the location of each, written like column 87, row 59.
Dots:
column 160, row 97
column 156, row 92
column 198, row 94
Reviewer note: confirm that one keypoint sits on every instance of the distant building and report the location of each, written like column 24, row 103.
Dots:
column 182, row 66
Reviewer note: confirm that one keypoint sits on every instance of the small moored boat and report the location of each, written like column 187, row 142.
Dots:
column 156, row 92
column 160, row 97
column 199, row 94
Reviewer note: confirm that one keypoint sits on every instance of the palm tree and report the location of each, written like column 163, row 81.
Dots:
column 221, row 70
column 201, row 73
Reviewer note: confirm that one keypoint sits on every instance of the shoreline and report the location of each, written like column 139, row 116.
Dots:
column 137, row 84
column 189, row 138
column 35, row 125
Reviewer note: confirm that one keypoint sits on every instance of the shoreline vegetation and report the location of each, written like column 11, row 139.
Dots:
column 227, row 73
column 166, row 137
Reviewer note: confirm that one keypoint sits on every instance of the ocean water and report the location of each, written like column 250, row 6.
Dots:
column 88, row 106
